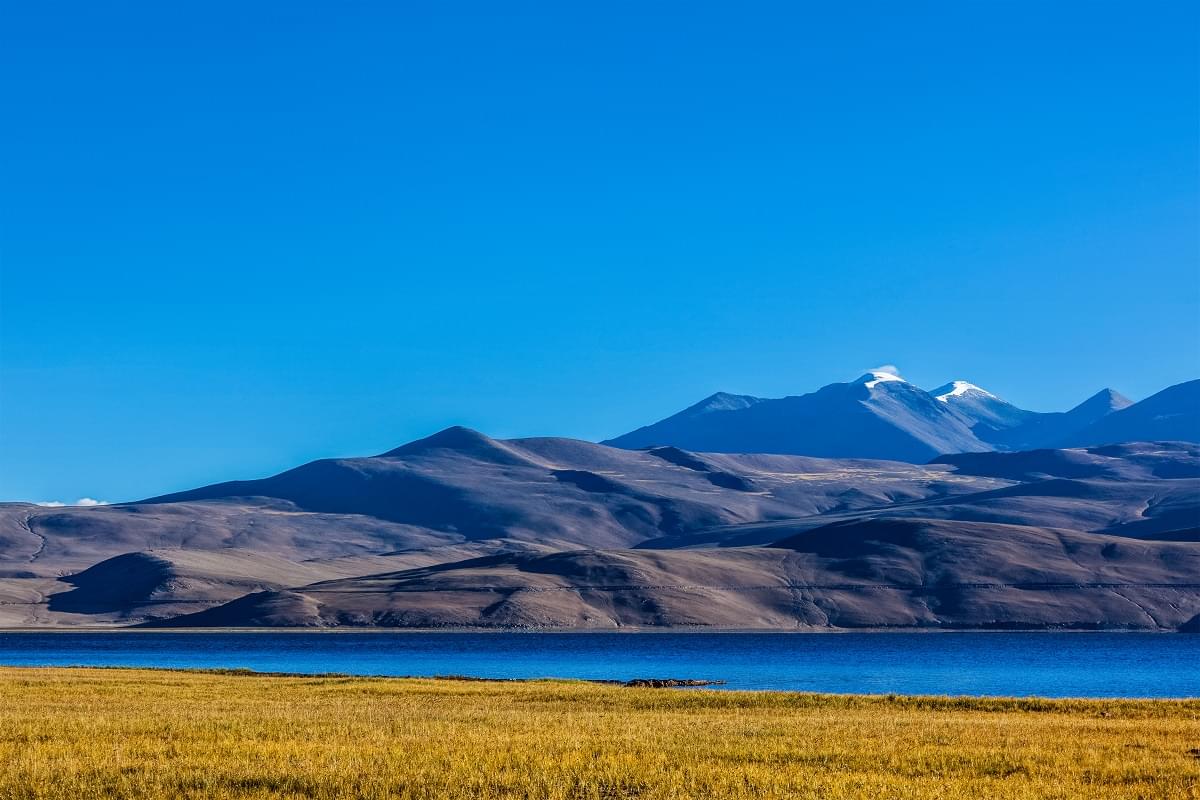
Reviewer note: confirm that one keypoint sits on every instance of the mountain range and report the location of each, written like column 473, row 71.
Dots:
column 880, row 415
column 462, row 530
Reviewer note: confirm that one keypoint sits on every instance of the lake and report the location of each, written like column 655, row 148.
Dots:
column 1010, row 664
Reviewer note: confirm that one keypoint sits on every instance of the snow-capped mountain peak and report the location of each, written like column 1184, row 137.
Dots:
column 981, row 410
column 960, row 389
column 878, row 376
column 881, row 415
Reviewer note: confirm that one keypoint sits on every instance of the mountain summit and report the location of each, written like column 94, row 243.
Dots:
column 1101, row 404
column 981, row 411
column 876, row 377
column 955, row 389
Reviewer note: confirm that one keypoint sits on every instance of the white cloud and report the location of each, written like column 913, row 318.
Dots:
column 888, row 369
column 52, row 504
column 83, row 501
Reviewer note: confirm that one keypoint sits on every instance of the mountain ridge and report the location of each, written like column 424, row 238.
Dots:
column 880, row 415
column 462, row 530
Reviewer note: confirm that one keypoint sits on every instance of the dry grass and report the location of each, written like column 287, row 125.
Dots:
column 77, row 733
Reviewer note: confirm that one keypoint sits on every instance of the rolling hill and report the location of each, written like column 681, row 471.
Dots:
column 461, row 530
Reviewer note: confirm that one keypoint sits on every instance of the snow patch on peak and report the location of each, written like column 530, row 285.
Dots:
column 958, row 389
column 878, row 376
column 723, row 401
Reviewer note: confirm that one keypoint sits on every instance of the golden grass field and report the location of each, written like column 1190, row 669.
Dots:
column 90, row 733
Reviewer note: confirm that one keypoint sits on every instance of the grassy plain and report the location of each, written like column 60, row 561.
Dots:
column 89, row 733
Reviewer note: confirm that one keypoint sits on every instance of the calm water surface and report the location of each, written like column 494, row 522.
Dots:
column 1044, row 664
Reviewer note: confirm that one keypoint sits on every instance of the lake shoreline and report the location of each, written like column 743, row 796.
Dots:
column 628, row 630
column 972, row 663
column 675, row 683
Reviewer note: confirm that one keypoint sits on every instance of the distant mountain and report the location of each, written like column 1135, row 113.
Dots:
column 1099, row 405
column 1051, row 429
column 982, row 411
column 688, row 425
column 1171, row 415
column 880, row 415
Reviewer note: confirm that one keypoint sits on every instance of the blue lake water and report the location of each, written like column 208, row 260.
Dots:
column 1010, row 664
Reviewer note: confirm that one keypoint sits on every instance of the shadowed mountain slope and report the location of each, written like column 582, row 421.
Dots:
column 1148, row 490
column 872, row 573
column 461, row 483
column 1131, row 461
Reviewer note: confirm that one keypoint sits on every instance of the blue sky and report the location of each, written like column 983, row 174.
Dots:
column 240, row 236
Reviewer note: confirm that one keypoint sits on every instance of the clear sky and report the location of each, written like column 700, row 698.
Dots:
column 239, row 236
